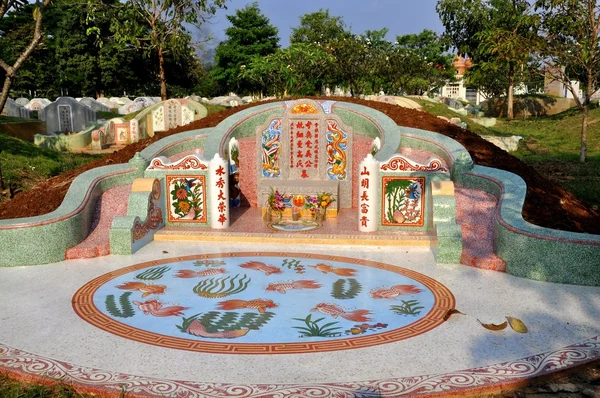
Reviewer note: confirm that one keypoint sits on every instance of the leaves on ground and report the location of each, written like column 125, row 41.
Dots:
column 494, row 327
column 452, row 312
column 517, row 325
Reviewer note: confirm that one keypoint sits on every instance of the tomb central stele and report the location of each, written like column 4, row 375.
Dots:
column 305, row 151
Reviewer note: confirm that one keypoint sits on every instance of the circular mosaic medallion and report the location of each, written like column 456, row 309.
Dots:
column 295, row 226
column 259, row 303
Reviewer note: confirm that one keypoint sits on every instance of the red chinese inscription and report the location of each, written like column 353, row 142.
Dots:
column 304, row 145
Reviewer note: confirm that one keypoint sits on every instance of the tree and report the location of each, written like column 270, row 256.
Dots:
column 358, row 60
column 297, row 70
column 319, row 28
column 11, row 70
column 569, row 47
column 77, row 55
column 250, row 34
column 492, row 32
column 420, row 62
column 167, row 27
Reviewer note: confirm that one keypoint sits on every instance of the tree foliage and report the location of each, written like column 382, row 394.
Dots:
column 296, row 70
column 79, row 54
column 165, row 28
column 494, row 34
column 319, row 28
column 419, row 63
column 568, row 46
column 35, row 37
column 250, row 35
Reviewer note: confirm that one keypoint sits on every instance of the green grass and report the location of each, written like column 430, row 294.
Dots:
column 13, row 119
column 11, row 388
column 442, row 110
column 107, row 115
column 24, row 164
column 213, row 108
column 551, row 145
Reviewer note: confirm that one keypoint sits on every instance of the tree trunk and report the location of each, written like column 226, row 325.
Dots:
column 163, row 78
column 510, row 102
column 11, row 71
column 584, row 128
column 5, row 89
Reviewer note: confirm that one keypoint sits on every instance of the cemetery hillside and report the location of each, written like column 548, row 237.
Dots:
column 547, row 204
column 218, row 198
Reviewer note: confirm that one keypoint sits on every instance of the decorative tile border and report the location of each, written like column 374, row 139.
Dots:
column 24, row 365
column 83, row 305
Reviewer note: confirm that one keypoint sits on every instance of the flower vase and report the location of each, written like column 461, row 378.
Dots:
column 319, row 216
column 268, row 217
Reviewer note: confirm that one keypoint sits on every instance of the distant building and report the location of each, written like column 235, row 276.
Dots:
column 457, row 88
column 556, row 88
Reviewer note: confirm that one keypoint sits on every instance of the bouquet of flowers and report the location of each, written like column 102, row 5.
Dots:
column 311, row 204
column 325, row 199
column 275, row 202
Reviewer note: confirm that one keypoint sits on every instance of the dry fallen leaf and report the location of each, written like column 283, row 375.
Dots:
column 517, row 325
column 452, row 312
column 491, row 326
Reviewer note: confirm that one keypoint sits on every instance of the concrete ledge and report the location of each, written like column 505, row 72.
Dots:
column 145, row 216
column 447, row 246
column 531, row 251
column 66, row 142
column 44, row 239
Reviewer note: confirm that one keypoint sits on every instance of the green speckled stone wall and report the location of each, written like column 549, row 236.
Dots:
column 531, row 251
column 25, row 242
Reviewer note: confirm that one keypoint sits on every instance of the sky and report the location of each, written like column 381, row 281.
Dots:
column 399, row 16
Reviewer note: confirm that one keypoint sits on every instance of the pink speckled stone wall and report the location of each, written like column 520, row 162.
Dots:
column 248, row 167
column 361, row 147
column 475, row 212
column 112, row 203
column 420, row 156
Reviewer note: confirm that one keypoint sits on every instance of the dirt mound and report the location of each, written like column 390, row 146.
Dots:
column 547, row 204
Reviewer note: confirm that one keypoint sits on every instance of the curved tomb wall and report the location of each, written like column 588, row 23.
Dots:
column 529, row 251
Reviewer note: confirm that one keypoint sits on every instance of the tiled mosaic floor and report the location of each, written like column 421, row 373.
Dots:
column 268, row 303
column 41, row 333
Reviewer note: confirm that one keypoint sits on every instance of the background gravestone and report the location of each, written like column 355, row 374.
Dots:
column 38, row 104
column 66, row 115
column 22, row 101
column 138, row 104
column 94, row 105
column 11, row 108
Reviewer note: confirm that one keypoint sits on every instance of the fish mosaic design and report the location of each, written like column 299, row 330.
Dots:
column 146, row 289
column 188, row 273
column 258, row 266
column 335, row 311
column 269, row 302
column 325, row 268
column 282, row 287
column 394, row 291
column 257, row 304
column 156, row 308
